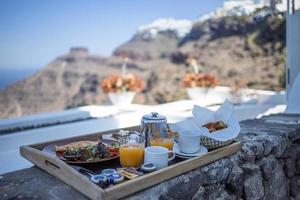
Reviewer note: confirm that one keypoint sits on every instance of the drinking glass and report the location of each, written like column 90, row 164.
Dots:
column 167, row 142
column 131, row 151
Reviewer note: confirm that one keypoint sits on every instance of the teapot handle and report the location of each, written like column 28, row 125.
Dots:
column 145, row 132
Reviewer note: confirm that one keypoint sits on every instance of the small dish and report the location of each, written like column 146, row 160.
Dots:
column 183, row 157
column 202, row 150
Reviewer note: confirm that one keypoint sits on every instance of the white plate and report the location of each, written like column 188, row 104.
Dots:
column 201, row 151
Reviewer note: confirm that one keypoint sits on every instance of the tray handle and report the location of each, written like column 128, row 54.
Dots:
column 51, row 164
column 43, row 160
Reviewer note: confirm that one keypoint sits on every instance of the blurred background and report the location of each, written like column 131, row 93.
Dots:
column 54, row 54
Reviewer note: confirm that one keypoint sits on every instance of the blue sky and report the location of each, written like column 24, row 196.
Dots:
column 34, row 32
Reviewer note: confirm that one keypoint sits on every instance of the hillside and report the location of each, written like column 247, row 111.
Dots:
column 232, row 47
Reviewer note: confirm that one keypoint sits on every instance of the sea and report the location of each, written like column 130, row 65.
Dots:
column 10, row 76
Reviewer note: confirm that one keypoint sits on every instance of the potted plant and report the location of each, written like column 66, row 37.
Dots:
column 200, row 86
column 121, row 89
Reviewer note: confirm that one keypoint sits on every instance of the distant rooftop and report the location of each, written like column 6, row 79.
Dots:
column 180, row 27
column 79, row 51
column 242, row 7
column 229, row 8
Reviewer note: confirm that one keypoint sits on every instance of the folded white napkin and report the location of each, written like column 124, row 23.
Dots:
column 202, row 116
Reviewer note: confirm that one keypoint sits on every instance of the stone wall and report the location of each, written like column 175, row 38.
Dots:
column 267, row 167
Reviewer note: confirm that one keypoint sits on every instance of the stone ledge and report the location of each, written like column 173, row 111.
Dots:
column 267, row 167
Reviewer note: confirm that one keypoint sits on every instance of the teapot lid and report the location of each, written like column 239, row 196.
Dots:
column 154, row 116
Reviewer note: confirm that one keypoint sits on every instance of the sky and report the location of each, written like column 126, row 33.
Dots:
column 34, row 32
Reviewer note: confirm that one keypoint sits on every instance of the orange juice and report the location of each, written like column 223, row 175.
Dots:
column 131, row 155
column 163, row 142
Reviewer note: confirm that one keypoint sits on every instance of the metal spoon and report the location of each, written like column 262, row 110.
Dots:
column 94, row 177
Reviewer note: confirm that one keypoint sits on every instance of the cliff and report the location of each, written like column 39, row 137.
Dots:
column 232, row 47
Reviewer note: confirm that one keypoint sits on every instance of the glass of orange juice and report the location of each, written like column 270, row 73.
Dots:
column 131, row 151
column 167, row 142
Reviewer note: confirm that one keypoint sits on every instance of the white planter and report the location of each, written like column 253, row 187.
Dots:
column 121, row 99
column 198, row 94
column 217, row 95
column 271, row 97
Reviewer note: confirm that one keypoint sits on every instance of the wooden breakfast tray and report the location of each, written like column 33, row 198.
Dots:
column 80, row 182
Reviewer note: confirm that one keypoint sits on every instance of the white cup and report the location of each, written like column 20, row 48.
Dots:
column 157, row 155
column 189, row 142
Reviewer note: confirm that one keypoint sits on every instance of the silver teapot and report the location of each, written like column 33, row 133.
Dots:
column 153, row 125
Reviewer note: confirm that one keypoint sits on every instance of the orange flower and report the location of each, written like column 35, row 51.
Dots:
column 117, row 83
column 199, row 80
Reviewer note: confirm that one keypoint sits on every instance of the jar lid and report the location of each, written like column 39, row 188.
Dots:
column 117, row 178
column 99, row 179
column 154, row 116
column 108, row 172
column 149, row 167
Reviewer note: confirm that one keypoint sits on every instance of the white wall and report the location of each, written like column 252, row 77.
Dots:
column 293, row 42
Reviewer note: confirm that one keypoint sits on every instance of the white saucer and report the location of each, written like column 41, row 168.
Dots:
column 202, row 150
column 184, row 157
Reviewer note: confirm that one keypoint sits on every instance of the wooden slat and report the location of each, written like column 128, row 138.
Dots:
column 93, row 136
